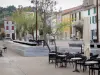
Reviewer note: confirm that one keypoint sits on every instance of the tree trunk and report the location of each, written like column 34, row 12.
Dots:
column 33, row 35
column 44, row 30
column 20, row 36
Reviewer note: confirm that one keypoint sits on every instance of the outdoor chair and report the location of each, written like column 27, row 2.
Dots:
column 93, row 57
column 78, row 55
column 68, row 58
column 52, row 56
column 57, row 61
column 82, row 62
column 61, row 61
column 1, row 53
column 94, row 68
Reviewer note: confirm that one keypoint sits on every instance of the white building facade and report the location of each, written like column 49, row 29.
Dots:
column 91, row 13
column 9, row 27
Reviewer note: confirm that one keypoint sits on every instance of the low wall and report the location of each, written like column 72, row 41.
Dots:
column 26, row 43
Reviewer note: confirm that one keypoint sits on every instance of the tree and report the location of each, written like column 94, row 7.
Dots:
column 25, row 22
column 18, row 18
column 2, row 35
column 45, row 10
column 60, row 27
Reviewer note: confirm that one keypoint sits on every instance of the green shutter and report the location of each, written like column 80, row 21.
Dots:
column 89, row 12
column 93, row 19
column 90, row 20
column 94, row 10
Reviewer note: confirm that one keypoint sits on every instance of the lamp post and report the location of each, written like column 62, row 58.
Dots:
column 97, row 18
column 36, row 2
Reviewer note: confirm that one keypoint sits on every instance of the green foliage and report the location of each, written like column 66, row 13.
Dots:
column 2, row 35
column 6, row 12
column 25, row 22
column 48, row 29
column 28, row 9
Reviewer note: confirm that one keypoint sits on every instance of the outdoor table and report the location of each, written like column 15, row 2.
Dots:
column 62, row 55
column 76, row 59
column 98, row 57
column 91, row 63
column 61, row 58
column 52, row 53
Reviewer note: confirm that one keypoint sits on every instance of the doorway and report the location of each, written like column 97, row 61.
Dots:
column 13, row 36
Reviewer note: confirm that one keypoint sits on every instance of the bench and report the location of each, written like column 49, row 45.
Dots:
column 91, row 45
column 98, row 45
column 76, row 45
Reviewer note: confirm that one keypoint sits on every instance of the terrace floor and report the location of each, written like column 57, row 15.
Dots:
column 14, row 64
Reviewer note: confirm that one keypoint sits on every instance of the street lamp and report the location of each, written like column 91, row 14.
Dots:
column 36, row 3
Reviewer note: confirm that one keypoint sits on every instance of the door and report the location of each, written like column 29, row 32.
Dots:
column 13, row 36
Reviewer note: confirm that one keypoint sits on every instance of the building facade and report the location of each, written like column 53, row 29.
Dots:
column 9, row 28
column 74, row 17
column 66, row 18
column 90, row 11
column 77, row 14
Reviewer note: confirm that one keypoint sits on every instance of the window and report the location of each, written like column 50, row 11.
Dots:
column 90, row 20
column 12, row 22
column 12, row 27
column 79, row 15
column 75, row 17
column 95, row 19
column 7, row 22
column 94, row 10
column 7, row 28
column 72, row 17
column 8, row 35
column 89, row 12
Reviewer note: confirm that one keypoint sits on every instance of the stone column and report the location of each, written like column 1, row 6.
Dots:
column 99, row 23
column 86, row 37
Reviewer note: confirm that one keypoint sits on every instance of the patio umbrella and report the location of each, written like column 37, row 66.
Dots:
column 86, row 36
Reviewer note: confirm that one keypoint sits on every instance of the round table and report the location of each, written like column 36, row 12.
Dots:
column 62, row 55
column 76, row 59
column 91, row 63
column 61, row 58
column 52, row 53
column 98, row 57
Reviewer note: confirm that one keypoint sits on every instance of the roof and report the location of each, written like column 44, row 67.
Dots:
column 72, row 9
column 7, row 19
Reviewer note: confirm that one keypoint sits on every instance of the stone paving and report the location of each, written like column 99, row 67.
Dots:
column 13, row 64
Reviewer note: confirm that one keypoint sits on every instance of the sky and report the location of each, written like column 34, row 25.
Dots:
column 64, row 4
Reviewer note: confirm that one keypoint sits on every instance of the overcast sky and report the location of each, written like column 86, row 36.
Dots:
column 65, row 4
